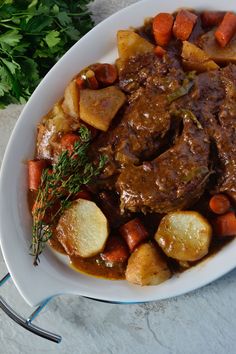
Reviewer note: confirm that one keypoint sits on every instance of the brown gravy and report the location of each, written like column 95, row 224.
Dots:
column 96, row 266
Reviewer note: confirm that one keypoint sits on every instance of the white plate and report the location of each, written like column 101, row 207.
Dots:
column 53, row 276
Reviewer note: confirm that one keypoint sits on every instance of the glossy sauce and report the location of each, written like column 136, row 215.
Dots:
column 96, row 266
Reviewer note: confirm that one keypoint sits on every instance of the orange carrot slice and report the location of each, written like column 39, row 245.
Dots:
column 68, row 141
column 116, row 250
column 184, row 23
column 219, row 204
column 226, row 29
column 106, row 73
column 35, row 170
column 162, row 28
column 159, row 51
column 134, row 233
column 225, row 225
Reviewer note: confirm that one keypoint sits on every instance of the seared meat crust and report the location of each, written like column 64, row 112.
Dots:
column 174, row 180
column 146, row 121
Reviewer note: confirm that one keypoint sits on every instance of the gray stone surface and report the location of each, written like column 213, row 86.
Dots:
column 201, row 322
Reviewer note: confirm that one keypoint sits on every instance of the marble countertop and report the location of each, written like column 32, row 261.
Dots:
column 203, row 321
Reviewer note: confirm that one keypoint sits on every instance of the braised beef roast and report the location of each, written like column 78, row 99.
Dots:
column 226, row 138
column 213, row 101
column 145, row 123
column 150, row 174
column 172, row 181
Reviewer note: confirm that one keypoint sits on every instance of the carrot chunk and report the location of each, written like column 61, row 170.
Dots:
column 159, row 51
column 162, row 28
column 226, row 29
column 219, row 204
column 134, row 233
column 80, row 82
column 35, row 170
column 106, row 73
column 92, row 82
column 68, row 141
column 183, row 25
column 225, row 225
column 115, row 251
column 212, row 18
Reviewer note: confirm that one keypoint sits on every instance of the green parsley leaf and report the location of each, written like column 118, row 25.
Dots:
column 64, row 18
column 11, row 65
column 5, row 81
column 30, row 70
column 11, row 38
column 55, row 9
column 33, row 4
column 52, row 38
column 72, row 33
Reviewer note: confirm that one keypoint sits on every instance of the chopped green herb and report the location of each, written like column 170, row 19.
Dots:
column 184, row 89
column 186, row 114
column 195, row 172
column 179, row 92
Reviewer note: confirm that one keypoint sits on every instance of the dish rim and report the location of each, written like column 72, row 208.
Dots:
column 55, row 289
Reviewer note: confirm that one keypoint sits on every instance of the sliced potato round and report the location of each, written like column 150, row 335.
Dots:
column 184, row 235
column 83, row 229
column 146, row 266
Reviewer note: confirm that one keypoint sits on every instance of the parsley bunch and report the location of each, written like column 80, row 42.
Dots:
column 33, row 36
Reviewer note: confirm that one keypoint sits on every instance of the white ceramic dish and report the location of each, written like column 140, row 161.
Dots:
column 53, row 276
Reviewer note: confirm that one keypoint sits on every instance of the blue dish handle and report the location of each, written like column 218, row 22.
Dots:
column 27, row 323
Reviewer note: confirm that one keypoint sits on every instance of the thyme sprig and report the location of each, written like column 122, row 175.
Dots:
column 57, row 188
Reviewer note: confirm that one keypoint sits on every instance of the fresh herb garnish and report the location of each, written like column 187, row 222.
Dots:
column 187, row 114
column 33, row 36
column 57, row 188
column 188, row 83
column 196, row 172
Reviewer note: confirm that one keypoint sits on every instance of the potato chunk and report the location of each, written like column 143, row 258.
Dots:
column 220, row 55
column 70, row 103
column 99, row 107
column 56, row 121
column 195, row 58
column 146, row 266
column 130, row 44
column 83, row 229
column 184, row 235
column 60, row 121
